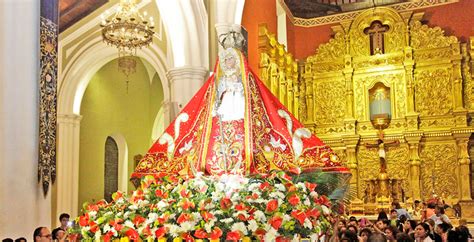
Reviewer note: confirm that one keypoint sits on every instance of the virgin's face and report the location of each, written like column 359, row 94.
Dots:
column 230, row 62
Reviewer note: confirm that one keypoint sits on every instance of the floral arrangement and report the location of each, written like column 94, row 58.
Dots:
column 268, row 207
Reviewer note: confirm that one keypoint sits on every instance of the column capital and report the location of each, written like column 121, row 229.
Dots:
column 185, row 73
column 69, row 118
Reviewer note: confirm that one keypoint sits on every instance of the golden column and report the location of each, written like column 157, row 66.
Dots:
column 464, row 162
column 349, row 121
column 351, row 142
column 413, row 140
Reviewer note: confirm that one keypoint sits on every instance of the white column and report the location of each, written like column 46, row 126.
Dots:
column 184, row 83
column 22, row 204
column 67, row 184
column 281, row 25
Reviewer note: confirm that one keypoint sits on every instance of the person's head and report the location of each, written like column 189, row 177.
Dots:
column 409, row 225
column 382, row 215
column 21, row 239
column 393, row 214
column 341, row 224
column 377, row 237
column 396, row 205
column 403, row 237
column 463, row 233
column 364, row 234
column 390, row 232
column 41, row 234
column 380, row 224
column 439, row 210
column 7, row 240
column 64, row 219
column 352, row 228
column 352, row 221
column 422, row 230
column 402, row 218
column 431, row 224
column 349, row 236
column 442, row 228
column 58, row 233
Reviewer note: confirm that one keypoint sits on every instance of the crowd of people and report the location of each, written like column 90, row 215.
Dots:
column 399, row 225
column 41, row 234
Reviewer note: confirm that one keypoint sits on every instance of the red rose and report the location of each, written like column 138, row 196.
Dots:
column 160, row 233
column 93, row 226
column 183, row 218
column 310, row 186
column 241, row 207
column 260, row 234
column 299, row 215
column 254, row 196
column 226, row 203
column 234, row 236
column 322, row 200
column 161, row 194
column 216, row 233
column 84, row 220
column 132, row 234
column 138, row 220
column 242, row 217
column 108, row 236
column 187, row 237
column 163, row 219
column 184, row 193
column 271, row 206
column 200, row 234
column 275, row 222
column 294, row 200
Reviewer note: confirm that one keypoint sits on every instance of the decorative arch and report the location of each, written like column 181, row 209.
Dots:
column 122, row 161
column 396, row 40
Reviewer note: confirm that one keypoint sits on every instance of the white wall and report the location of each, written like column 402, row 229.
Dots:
column 22, row 205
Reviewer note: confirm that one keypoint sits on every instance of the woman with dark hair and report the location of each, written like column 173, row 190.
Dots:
column 409, row 227
column 402, row 237
column 422, row 232
column 391, row 233
column 382, row 216
column 442, row 230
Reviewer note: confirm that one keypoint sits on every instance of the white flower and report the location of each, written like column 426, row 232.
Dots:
column 161, row 205
column 313, row 194
column 307, row 224
column 253, row 186
column 187, row 226
column 260, row 216
column 259, row 200
column 271, row 234
column 239, row 227
column 92, row 214
column 325, row 209
column 307, row 202
column 133, row 207
column 314, row 237
column 286, row 218
column 196, row 216
column 209, row 206
column 152, row 217
column 126, row 214
column 296, row 238
column 173, row 229
column 252, row 225
column 106, row 228
column 129, row 224
column 280, row 187
column 142, row 203
column 208, row 226
column 277, row 195
column 227, row 220
column 216, row 196
column 97, row 235
column 301, row 186
column 220, row 187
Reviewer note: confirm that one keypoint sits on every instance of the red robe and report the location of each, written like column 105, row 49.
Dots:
column 268, row 137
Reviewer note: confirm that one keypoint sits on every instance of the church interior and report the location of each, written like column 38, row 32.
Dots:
column 388, row 85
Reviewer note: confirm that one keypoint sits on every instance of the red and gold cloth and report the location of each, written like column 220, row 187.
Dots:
column 268, row 137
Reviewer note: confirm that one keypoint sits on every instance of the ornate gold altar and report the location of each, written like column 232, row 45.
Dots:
column 432, row 102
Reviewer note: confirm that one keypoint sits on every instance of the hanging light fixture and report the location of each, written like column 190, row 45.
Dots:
column 128, row 30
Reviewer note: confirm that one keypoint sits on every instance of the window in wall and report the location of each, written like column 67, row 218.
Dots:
column 111, row 168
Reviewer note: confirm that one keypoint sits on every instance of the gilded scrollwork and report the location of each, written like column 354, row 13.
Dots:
column 334, row 49
column 424, row 37
column 438, row 100
column 438, row 167
column 468, row 83
column 329, row 102
column 396, row 38
column 368, row 164
column 398, row 165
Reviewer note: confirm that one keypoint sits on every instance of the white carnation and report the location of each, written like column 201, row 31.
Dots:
column 307, row 202
column 227, row 220
column 260, row 216
column 106, row 228
column 239, row 227
column 152, row 217
column 161, row 205
column 313, row 194
column 286, row 218
column 271, row 234
column 129, row 224
column 187, row 226
column 280, row 187
column 307, row 224
column 314, row 237
column 173, row 229
column 133, row 207
column 97, row 235
column 325, row 209
column 92, row 214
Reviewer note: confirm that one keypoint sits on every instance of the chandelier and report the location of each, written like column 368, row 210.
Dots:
column 128, row 30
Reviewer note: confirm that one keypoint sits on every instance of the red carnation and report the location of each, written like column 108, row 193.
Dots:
column 183, row 218
column 207, row 215
column 310, row 186
column 161, row 194
column 275, row 222
column 187, row 204
column 184, row 193
column 233, row 235
column 313, row 213
column 216, row 233
column 200, row 234
column 294, row 200
column 241, row 207
column 93, row 226
column 84, row 220
column 160, row 233
column 271, row 206
column 264, row 186
column 132, row 234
